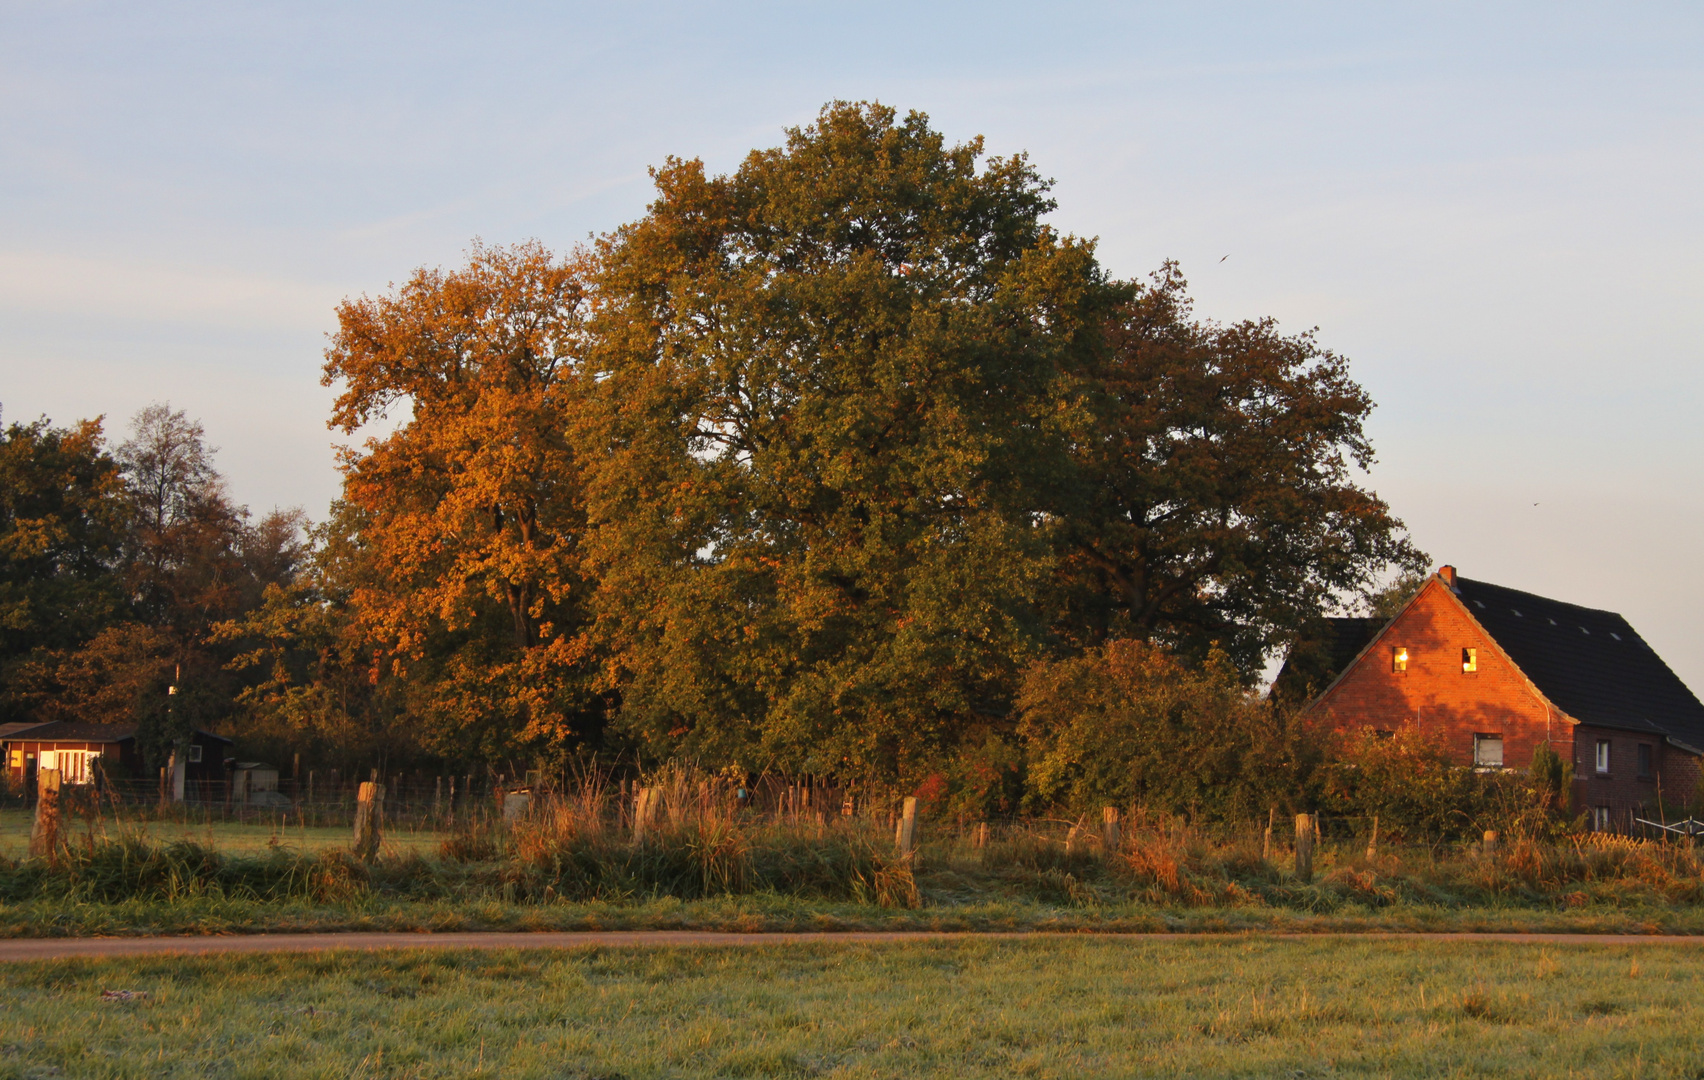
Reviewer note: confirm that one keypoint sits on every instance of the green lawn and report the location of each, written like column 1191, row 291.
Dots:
column 1044, row 1008
column 228, row 836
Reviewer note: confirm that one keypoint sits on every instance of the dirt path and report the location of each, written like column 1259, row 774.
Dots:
column 23, row 949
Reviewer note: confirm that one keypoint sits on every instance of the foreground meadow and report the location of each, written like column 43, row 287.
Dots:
column 992, row 1008
column 560, row 869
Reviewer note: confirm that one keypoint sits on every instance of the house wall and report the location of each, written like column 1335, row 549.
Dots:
column 19, row 776
column 1435, row 697
column 1673, row 772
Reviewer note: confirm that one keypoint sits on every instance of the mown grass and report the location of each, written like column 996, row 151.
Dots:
column 1038, row 1008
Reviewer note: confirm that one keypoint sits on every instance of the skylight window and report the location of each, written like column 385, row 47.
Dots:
column 1615, row 635
column 1480, row 604
column 1583, row 630
column 1517, row 612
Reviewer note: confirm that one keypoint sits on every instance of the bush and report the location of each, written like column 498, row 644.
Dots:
column 1418, row 794
column 1132, row 725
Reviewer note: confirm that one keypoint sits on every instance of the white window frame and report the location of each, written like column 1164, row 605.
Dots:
column 1600, row 762
column 195, row 753
column 1600, row 819
column 1482, row 739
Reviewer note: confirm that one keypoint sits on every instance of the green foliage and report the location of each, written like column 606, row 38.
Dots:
column 1419, row 795
column 63, row 519
column 826, row 392
column 1552, row 776
column 1211, row 501
column 1132, row 725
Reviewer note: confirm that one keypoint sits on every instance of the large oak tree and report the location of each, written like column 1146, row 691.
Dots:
column 826, row 391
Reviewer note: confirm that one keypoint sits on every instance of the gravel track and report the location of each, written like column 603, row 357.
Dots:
column 26, row 949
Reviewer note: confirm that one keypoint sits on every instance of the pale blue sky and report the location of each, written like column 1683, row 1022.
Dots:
column 1495, row 211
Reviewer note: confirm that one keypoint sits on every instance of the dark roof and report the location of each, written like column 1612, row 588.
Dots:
column 72, row 731
column 1591, row 664
column 77, row 731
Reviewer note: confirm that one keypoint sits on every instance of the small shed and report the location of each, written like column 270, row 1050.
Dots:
column 255, row 783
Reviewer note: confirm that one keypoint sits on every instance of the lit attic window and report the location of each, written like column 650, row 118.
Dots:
column 1399, row 659
column 1469, row 660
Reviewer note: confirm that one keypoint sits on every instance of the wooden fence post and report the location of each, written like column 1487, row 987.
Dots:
column 981, row 838
column 1373, row 841
column 44, row 835
column 641, row 811
column 1304, row 847
column 1110, row 832
column 1490, row 843
column 905, row 839
column 369, row 803
column 1266, row 841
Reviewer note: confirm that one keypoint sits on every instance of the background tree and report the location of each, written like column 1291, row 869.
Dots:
column 461, row 541
column 824, row 387
column 63, row 520
column 1213, row 499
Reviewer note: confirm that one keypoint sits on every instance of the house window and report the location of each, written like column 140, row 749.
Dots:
column 194, row 753
column 1470, row 660
column 17, row 759
column 1600, row 819
column 1399, row 658
column 1602, row 757
column 1644, row 761
column 1488, row 751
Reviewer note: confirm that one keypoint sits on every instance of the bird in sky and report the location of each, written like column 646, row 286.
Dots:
column 1225, row 257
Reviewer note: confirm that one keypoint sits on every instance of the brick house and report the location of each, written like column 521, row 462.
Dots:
column 83, row 753
column 1491, row 673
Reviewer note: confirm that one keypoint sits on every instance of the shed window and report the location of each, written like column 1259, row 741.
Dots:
column 1488, row 751
column 194, row 753
column 1470, row 660
column 17, row 759
column 1602, row 756
column 1645, row 761
column 1399, row 658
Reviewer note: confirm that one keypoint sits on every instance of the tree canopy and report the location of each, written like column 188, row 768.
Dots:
column 843, row 462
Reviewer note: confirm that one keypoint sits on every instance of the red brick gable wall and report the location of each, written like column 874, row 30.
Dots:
column 1435, row 697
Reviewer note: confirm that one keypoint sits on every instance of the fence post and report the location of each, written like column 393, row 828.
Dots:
column 368, row 803
column 981, row 840
column 1490, row 843
column 1266, row 841
column 641, row 811
column 905, row 840
column 44, row 835
column 1304, row 847
column 1110, row 832
column 1373, row 841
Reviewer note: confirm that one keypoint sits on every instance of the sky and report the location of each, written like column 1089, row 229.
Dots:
column 1494, row 210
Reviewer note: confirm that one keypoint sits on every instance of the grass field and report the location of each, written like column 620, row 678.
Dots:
column 1045, row 1008
column 229, row 836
